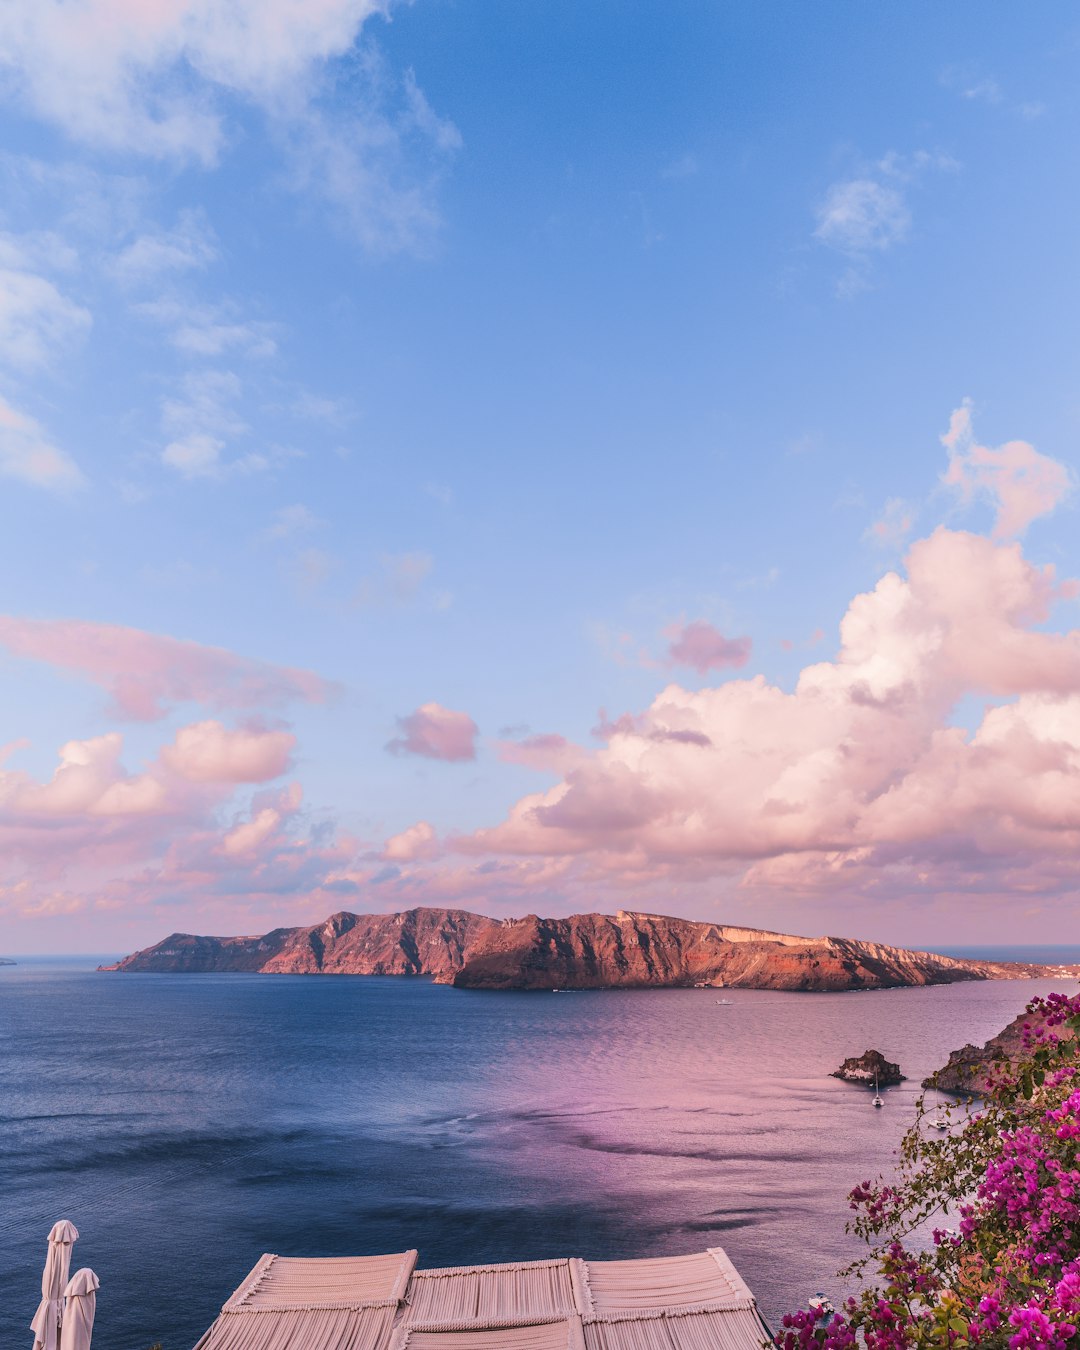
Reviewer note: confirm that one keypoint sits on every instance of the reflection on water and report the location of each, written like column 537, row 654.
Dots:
column 189, row 1123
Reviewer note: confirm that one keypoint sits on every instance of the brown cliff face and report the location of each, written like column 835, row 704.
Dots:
column 587, row 951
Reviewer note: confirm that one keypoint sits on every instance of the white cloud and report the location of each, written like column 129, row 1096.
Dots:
column 971, row 83
column 202, row 423
column 290, row 521
column 869, row 213
column 189, row 245
column 197, row 455
column 157, row 78
column 206, row 404
column 28, row 455
column 36, row 320
column 38, row 250
column 358, row 168
column 148, row 75
column 208, row 330
column 862, row 215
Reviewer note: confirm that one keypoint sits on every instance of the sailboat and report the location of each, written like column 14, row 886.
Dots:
column 877, row 1095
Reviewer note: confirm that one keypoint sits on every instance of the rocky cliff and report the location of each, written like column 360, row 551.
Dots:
column 587, row 951
column 968, row 1067
column 870, row 1068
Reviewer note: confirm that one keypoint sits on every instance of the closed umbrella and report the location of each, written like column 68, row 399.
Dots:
column 80, row 1301
column 46, row 1323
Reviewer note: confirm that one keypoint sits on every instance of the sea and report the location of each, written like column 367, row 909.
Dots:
column 188, row 1123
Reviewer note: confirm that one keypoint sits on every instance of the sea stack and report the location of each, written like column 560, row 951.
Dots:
column 869, row 1068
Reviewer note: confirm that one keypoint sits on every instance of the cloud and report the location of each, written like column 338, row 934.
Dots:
column 869, row 213
column 145, row 673
column 547, row 752
column 197, row 455
column 143, row 74
column 203, row 421
column 704, row 648
column 862, row 215
column 36, row 321
column 363, row 169
column 171, row 79
column 208, row 330
column 418, row 841
column 971, row 83
column 290, row 521
column 857, row 781
column 436, row 733
column 892, row 527
column 1022, row 483
column 207, row 752
column 27, row 454
column 190, row 245
column 268, row 819
column 94, row 837
column 398, row 581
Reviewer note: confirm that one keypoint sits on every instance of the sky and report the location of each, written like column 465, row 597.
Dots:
column 539, row 458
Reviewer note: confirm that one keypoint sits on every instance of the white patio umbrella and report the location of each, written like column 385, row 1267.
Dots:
column 47, row 1319
column 80, row 1302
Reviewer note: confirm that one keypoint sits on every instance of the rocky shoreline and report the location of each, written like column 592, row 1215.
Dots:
column 968, row 1068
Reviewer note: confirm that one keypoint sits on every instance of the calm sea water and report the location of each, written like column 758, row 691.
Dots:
column 189, row 1123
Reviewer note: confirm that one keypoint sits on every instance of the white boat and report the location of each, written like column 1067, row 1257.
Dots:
column 941, row 1123
column 877, row 1095
column 820, row 1303
column 725, row 1002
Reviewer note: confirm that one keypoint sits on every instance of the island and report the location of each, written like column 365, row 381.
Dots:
column 627, row 950
column 871, row 1068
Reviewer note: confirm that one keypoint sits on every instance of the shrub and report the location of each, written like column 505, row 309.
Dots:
column 1006, row 1271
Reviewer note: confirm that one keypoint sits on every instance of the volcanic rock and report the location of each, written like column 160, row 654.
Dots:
column 869, row 1068
column 969, row 1067
column 587, row 951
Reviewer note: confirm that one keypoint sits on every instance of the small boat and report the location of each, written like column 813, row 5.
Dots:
column 821, row 1304
column 941, row 1123
column 877, row 1095
column 725, row 1003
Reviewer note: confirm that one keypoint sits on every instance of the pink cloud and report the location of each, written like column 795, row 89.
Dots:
column 207, row 752
column 856, row 780
column 1022, row 483
column 96, row 839
column 548, row 752
column 703, row 648
column 145, row 673
column 418, row 841
column 436, row 733
column 893, row 526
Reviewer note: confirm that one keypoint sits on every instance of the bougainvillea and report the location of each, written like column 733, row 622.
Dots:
column 975, row 1242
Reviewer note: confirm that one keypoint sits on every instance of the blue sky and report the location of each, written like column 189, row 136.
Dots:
column 464, row 355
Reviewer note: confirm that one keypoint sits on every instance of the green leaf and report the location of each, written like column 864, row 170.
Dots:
column 958, row 1325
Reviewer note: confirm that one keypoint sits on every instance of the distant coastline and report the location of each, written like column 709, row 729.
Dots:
column 1050, row 954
